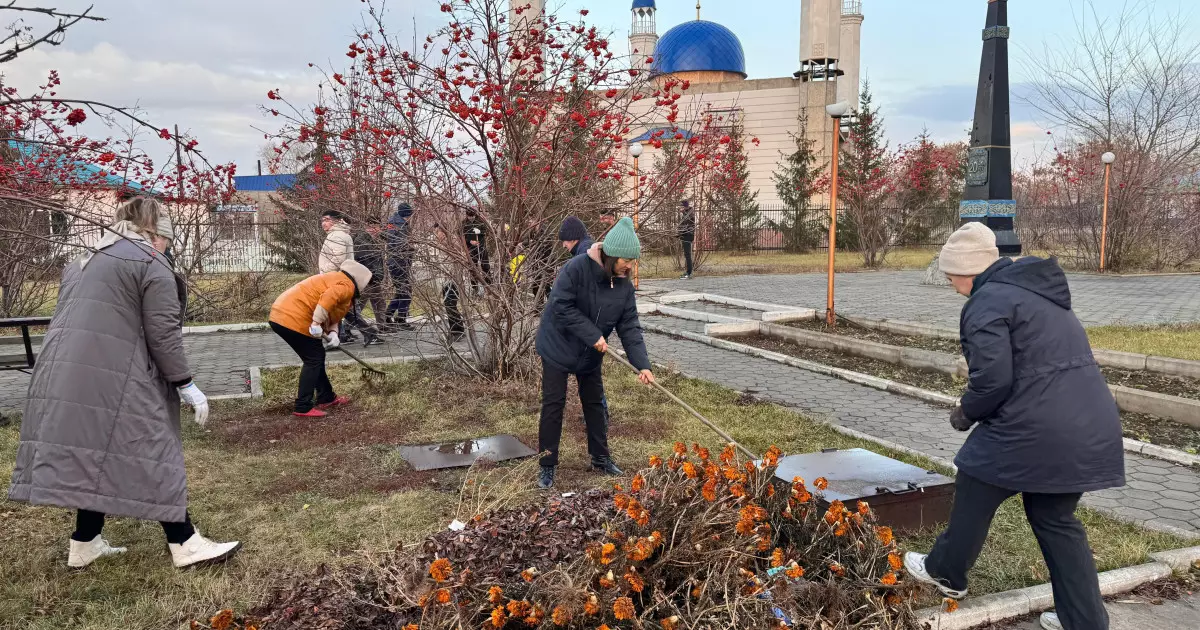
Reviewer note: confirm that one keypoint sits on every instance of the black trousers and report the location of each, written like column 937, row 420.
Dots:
column 1060, row 535
column 313, row 378
column 397, row 310
column 554, row 401
column 453, row 315
column 687, row 256
column 89, row 524
column 374, row 296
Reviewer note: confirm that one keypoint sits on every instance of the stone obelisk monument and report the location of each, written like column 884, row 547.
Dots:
column 988, row 195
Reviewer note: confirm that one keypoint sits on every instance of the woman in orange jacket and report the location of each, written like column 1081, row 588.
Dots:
column 309, row 312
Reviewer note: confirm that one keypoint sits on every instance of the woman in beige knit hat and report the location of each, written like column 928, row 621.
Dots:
column 1045, row 424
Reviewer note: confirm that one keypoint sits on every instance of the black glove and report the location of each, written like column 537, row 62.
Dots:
column 959, row 420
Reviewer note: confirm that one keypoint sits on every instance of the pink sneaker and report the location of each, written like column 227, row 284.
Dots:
column 340, row 401
column 311, row 413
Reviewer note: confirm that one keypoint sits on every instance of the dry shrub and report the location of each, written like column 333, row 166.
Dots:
column 696, row 541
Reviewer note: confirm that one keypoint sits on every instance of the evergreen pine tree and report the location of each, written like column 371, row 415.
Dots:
column 864, row 182
column 733, row 206
column 797, row 181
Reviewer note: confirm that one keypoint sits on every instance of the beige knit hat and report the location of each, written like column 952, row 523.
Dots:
column 357, row 271
column 969, row 251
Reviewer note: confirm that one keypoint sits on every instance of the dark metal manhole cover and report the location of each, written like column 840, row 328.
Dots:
column 462, row 454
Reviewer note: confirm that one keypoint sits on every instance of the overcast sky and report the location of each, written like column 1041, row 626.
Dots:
column 207, row 65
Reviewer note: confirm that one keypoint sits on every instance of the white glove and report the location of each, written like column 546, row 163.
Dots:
column 331, row 340
column 192, row 395
column 315, row 330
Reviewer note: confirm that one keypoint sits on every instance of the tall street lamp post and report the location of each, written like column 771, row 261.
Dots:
column 1108, row 159
column 635, row 151
column 836, row 111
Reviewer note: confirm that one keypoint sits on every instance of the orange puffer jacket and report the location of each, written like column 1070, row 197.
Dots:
column 324, row 299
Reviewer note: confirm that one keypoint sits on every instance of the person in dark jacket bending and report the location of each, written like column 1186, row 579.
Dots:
column 574, row 236
column 591, row 298
column 1045, row 424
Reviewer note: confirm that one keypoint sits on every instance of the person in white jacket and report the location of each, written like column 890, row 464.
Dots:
column 337, row 249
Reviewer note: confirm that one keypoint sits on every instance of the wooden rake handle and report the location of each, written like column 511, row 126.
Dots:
column 708, row 423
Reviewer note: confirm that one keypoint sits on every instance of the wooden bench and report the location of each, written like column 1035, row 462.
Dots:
column 18, row 360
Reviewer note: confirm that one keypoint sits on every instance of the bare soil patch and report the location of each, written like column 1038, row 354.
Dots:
column 848, row 329
column 1160, row 431
column 1154, row 382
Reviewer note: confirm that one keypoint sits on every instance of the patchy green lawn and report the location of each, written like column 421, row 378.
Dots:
column 656, row 266
column 301, row 493
column 1179, row 341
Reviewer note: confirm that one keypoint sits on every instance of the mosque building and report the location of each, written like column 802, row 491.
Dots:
column 711, row 58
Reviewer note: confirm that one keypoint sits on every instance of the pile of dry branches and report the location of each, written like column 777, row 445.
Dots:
column 695, row 541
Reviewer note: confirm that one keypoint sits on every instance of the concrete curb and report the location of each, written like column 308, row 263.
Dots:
column 1036, row 599
column 1179, row 409
column 219, row 328
column 1161, row 452
column 768, row 312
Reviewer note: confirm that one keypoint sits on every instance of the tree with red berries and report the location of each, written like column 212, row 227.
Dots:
column 520, row 118
column 60, row 185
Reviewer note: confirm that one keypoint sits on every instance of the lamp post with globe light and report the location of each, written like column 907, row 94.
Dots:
column 635, row 151
column 836, row 111
column 1108, row 158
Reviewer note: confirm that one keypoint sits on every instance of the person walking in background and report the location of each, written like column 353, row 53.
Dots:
column 592, row 297
column 399, row 264
column 687, row 236
column 455, row 327
column 309, row 312
column 369, row 252
column 101, row 428
column 574, row 236
column 475, row 233
column 337, row 249
column 1046, row 426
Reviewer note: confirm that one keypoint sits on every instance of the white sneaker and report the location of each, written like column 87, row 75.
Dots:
column 200, row 550
column 914, row 563
column 85, row 553
column 1050, row 621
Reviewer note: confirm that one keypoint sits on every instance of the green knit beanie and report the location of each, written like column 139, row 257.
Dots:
column 622, row 241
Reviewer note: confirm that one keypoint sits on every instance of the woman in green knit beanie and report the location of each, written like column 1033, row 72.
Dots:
column 592, row 297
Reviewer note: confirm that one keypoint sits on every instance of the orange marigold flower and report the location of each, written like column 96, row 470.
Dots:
column 689, row 469
column 498, row 617
column 423, row 601
column 795, row 571
column 603, row 626
column 709, row 491
column 949, row 605
column 222, row 620
column 777, row 558
column 638, row 483
column 893, row 599
column 764, row 543
column 771, row 459
column 704, row 454
column 770, row 490
column 606, row 553
column 655, row 461
column 737, row 490
column 643, row 518
column 802, row 496
column 529, row 574
column 621, row 501
column 592, row 607
column 495, row 594
column 711, row 470
column 411, row 626
column 680, row 449
column 731, row 473
column 635, row 582
column 443, row 596
column 863, row 508
column 656, row 538
column 821, row 483
column 607, row 581
column 885, row 535
column 837, row 569
column 623, row 609
column 440, row 570
column 697, row 592
column 728, row 455
column 670, row 623
column 840, row 530
column 745, row 528
column 560, row 616
column 895, row 561
column 889, row 579
column 535, row 616
column 518, row 608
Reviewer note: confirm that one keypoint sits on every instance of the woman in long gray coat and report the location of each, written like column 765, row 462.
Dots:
column 101, row 433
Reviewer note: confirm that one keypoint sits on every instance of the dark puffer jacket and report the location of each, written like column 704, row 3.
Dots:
column 582, row 246
column 585, row 305
column 1047, row 422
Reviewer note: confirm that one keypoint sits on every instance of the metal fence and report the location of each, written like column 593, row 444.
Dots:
column 222, row 247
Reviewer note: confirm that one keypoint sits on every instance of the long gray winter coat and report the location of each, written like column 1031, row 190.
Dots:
column 101, row 425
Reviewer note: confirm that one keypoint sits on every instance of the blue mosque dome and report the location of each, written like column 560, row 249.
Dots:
column 698, row 46
column 643, row 4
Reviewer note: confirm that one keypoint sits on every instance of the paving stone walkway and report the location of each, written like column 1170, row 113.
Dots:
column 1098, row 300
column 1158, row 491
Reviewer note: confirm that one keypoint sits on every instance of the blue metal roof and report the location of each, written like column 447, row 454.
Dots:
column 643, row 4
column 699, row 46
column 263, row 183
column 84, row 173
column 667, row 135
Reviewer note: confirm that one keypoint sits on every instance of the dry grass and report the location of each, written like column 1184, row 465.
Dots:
column 329, row 492
column 733, row 263
column 1179, row 341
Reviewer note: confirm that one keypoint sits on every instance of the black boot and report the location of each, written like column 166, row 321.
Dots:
column 371, row 338
column 546, row 477
column 607, row 466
